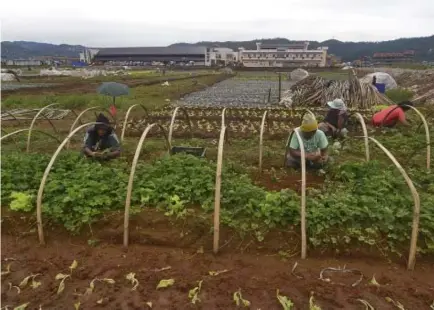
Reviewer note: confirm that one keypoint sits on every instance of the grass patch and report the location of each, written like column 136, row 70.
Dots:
column 399, row 94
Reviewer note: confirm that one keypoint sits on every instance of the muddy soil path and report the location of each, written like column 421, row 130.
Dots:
column 258, row 273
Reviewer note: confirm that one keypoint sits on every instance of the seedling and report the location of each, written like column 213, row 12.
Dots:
column 7, row 271
column 193, row 294
column 25, row 281
column 374, row 281
column 239, row 300
column 91, row 287
column 149, row 304
column 20, row 307
column 216, row 273
column 397, row 304
column 165, row 283
column 13, row 286
column 132, row 278
column 312, row 305
column 368, row 306
column 286, row 303
column 63, row 277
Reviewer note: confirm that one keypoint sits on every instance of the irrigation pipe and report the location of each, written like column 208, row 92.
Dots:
column 172, row 122
column 131, row 178
column 217, row 194
column 44, row 180
column 416, row 207
column 261, row 138
column 428, row 141
column 124, row 127
column 33, row 123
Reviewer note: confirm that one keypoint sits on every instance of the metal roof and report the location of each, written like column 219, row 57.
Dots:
column 172, row 50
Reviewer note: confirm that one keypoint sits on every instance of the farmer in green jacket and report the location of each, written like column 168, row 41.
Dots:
column 315, row 145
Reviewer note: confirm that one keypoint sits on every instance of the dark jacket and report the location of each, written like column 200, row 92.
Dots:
column 96, row 143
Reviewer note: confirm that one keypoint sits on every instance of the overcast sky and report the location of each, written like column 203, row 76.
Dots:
column 154, row 23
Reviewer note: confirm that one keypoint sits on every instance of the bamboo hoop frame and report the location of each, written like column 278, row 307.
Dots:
column 427, row 136
column 416, row 208
column 78, row 119
column 303, row 195
column 131, row 177
column 26, row 129
column 365, row 134
column 172, row 122
column 261, row 139
column 217, row 194
column 33, row 123
column 124, row 127
column 44, row 180
column 13, row 116
column 224, row 117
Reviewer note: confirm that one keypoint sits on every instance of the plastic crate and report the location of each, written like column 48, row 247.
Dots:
column 195, row 151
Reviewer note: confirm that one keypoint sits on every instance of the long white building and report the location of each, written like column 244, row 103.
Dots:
column 269, row 55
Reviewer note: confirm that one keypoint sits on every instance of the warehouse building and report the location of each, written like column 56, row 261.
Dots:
column 152, row 55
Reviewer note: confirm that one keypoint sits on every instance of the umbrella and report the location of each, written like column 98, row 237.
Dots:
column 114, row 90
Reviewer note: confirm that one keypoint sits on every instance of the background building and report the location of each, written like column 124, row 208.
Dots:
column 88, row 55
column 290, row 55
column 152, row 55
column 390, row 58
column 220, row 56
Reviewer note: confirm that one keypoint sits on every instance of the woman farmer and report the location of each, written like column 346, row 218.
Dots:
column 335, row 120
column 315, row 145
column 391, row 116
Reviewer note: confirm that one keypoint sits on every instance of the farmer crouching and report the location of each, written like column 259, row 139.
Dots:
column 100, row 141
column 315, row 145
column 335, row 121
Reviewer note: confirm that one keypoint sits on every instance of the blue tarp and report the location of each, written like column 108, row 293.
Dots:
column 79, row 64
column 381, row 87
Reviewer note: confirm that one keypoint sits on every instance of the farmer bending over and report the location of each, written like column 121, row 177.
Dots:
column 315, row 145
column 392, row 115
column 335, row 120
column 100, row 141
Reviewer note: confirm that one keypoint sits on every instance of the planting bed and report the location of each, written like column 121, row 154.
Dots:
column 237, row 92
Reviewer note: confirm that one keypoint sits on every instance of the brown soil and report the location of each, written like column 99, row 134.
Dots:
column 157, row 244
column 284, row 180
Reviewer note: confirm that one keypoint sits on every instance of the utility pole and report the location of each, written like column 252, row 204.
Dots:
column 280, row 86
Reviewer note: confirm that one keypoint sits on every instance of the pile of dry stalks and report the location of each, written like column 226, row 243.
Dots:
column 316, row 91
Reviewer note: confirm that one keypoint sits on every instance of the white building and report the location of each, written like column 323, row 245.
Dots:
column 88, row 54
column 23, row 62
column 290, row 55
column 220, row 56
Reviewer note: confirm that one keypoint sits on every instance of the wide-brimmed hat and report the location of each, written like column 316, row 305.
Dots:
column 337, row 104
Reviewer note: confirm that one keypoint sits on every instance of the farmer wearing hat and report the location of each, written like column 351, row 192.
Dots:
column 100, row 141
column 315, row 145
column 335, row 120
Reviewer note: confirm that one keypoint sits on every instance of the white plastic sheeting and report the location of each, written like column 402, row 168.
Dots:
column 83, row 73
column 382, row 78
column 7, row 77
column 286, row 99
column 298, row 75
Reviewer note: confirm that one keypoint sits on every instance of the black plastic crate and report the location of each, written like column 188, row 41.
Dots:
column 195, row 151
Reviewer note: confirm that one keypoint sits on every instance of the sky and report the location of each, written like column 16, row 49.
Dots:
column 159, row 23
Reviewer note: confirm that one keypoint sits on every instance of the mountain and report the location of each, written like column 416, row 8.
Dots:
column 26, row 49
column 423, row 46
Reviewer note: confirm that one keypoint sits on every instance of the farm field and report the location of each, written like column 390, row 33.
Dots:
column 358, row 214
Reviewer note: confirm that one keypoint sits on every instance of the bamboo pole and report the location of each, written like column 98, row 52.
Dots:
column 131, row 177
column 33, row 124
column 428, row 140
column 172, row 122
column 416, row 208
column 44, row 180
column 261, row 138
column 124, row 128
column 217, row 195
column 365, row 134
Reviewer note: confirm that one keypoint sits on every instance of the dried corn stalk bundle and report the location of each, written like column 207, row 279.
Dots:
column 316, row 91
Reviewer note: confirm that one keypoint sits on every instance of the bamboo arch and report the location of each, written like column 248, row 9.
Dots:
column 78, row 119
column 172, row 121
column 261, row 139
column 365, row 134
column 124, row 127
column 416, row 208
column 33, row 123
column 428, row 140
column 26, row 129
column 131, row 178
column 44, row 180
column 218, row 182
